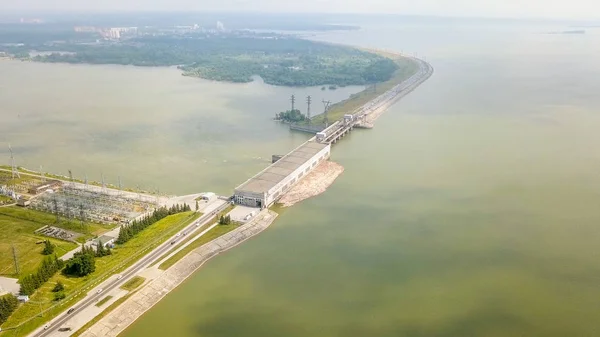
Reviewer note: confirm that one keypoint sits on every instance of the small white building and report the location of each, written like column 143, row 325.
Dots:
column 209, row 196
column 23, row 202
column 107, row 241
column 23, row 298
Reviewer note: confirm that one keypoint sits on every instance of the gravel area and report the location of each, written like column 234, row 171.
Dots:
column 315, row 183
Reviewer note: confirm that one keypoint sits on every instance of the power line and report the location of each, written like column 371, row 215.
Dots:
column 16, row 259
column 293, row 100
column 308, row 101
column 326, row 109
column 15, row 172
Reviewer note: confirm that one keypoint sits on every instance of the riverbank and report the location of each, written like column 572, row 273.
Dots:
column 144, row 299
column 407, row 68
column 378, row 106
column 315, row 183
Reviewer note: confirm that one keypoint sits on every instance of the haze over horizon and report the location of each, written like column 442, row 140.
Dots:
column 548, row 9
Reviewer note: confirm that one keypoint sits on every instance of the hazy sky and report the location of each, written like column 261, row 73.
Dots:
column 587, row 9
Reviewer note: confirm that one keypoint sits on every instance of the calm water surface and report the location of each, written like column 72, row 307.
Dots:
column 470, row 210
column 152, row 127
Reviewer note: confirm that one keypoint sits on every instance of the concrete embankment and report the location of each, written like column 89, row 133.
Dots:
column 315, row 183
column 118, row 320
column 399, row 91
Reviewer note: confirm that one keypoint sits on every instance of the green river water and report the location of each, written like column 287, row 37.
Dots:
column 471, row 209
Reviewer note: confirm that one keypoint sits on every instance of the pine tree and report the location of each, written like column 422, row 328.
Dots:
column 8, row 304
column 58, row 262
column 100, row 252
column 48, row 248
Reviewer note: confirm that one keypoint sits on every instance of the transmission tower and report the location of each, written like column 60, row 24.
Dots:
column 293, row 100
column 120, row 186
column 67, row 207
column 308, row 101
column 71, row 177
column 42, row 174
column 326, row 109
column 103, row 184
column 15, row 172
column 55, row 202
column 82, row 215
column 16, row 259
column 85, row 181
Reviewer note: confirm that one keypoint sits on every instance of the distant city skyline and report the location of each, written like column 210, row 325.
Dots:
column 552, row 9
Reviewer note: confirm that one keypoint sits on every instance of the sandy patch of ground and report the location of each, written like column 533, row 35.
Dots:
column 315, row 183
column 8, row 285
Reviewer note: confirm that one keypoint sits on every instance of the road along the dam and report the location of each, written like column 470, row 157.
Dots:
column 92, row 297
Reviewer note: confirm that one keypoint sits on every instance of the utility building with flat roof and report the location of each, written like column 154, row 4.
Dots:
column 267, row 186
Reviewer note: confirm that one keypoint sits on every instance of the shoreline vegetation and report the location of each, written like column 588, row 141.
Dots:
column 236, row 57
column 405, row 68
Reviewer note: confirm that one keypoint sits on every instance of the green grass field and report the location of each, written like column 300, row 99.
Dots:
column 337, row 111
column 27, row 316
column 102, row 301
column 209, row 236
column 5, row 200
column 90, row 229
column 17, row 232
column 135, row 282
column 7, row 179
column 190, row 237
column 102, row 314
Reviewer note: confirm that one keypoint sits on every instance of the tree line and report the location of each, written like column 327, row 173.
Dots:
column 48, row 267
column 279, row 60
column 291, row 116
column 82, row 263
column 8, row 304
column 128, row 232
column 225, row 220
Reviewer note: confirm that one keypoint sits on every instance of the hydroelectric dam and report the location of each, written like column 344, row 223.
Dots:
column 266, row 187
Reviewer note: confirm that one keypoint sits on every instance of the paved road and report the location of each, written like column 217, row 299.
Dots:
column 127, row 274
column 381, row 102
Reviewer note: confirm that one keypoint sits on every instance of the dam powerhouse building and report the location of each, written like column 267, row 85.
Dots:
column 267, row 186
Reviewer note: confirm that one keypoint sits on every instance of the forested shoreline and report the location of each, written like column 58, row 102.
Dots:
column 277, row 59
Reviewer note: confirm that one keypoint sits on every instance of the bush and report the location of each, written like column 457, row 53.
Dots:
column 82, row 263
column 59, row 296
column 58, row 287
